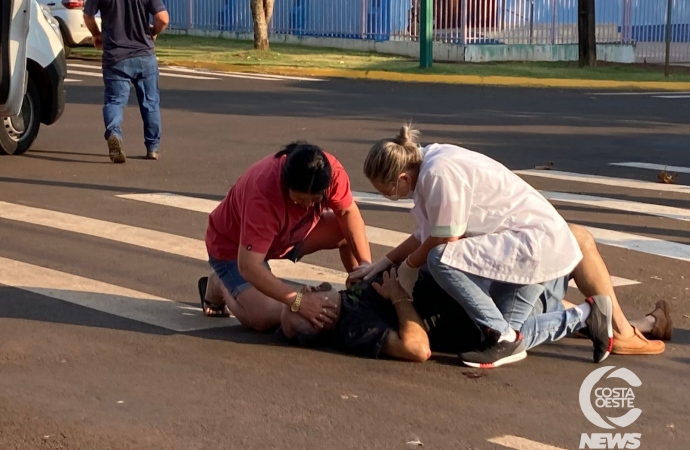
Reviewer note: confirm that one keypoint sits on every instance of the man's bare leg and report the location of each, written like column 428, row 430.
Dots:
column 593, row 278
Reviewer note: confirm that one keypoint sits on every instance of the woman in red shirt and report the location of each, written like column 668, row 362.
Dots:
column 276, row 210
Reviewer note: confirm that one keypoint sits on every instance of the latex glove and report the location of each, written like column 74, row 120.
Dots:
column 407, row 277
column 367, row 270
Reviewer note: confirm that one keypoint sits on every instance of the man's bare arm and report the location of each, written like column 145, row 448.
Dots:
column 160, row 23
column 92, row 26
column 411, row 341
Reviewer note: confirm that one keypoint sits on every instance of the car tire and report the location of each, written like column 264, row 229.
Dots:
column 14, row 140
column 66, row 40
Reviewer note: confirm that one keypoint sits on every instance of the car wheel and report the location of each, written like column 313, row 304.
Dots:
column 18, row 133
column 66, row 42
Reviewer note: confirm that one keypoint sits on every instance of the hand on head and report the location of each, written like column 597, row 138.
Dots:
column 320, row 305
column 390, row 287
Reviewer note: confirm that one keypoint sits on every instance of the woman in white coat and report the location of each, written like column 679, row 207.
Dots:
column 491, row 241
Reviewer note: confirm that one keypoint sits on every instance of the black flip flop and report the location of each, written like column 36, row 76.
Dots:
column 205, row 304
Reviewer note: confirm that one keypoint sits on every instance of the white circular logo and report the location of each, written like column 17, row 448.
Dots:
column 609, row 397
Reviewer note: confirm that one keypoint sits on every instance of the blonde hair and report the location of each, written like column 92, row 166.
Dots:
column 388, row 158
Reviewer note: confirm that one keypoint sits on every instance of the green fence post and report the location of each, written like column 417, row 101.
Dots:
column 426, row 49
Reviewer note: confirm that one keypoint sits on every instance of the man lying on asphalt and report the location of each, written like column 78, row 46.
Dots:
column 367, row 315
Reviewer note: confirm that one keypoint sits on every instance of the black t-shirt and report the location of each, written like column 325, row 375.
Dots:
column 366, row 318
column 125, row 27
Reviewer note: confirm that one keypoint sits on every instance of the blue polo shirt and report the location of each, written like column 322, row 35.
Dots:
column 125, row 27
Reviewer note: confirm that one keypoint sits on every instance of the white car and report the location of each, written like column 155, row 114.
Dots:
column 32, row 73
column 70, row 16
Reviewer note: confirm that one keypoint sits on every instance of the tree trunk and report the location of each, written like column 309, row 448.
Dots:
column 587, row 40
column 262, row 11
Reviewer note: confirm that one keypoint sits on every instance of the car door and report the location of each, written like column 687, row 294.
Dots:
column 14, row 28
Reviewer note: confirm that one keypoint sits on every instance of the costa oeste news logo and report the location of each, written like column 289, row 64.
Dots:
column 606, row 398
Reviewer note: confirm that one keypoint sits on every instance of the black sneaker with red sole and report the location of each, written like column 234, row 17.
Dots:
column 495, row 354
column 600, row 326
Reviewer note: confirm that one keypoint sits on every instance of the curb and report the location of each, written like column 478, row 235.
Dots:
column 474, row 80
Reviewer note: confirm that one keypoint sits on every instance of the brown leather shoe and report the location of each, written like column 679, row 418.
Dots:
column 636, row 345
column 663, row 324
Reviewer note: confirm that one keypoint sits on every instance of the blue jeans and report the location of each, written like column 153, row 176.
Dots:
column 534, row 309
column 142, row 72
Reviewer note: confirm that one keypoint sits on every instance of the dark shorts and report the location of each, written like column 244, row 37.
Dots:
column 229, row 272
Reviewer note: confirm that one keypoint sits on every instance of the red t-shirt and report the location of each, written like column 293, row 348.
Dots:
column 258, row 214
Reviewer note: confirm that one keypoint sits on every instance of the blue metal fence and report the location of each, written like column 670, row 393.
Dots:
column 456, row 21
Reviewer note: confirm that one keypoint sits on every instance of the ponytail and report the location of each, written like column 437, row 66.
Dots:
column 388, row 158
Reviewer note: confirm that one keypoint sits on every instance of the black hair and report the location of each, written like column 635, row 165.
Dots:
column 306, row 168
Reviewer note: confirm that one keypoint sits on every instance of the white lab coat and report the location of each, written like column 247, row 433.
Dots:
column 512, row 233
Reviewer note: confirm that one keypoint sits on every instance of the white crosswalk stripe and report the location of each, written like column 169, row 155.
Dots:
column 650, row 166
column 620, row 205
column 519, row 443
column 606, row 181
column 163, row 74
column 380, row 236
column 179, row 317
column 105, row 297
column 191, row 74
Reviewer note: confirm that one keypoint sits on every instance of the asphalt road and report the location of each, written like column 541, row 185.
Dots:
column 92, row 357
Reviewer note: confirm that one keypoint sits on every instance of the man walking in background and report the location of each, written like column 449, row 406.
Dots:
column 129, row 56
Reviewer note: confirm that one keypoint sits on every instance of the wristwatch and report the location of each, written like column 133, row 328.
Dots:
column 295, row 305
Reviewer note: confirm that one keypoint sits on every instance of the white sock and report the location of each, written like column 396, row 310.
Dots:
column 510, row 336
column 584, row 310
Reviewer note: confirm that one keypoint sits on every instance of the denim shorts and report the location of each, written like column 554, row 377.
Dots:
column 229, row 272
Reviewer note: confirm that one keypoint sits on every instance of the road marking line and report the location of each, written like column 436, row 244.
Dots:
column 70, row 80
column 84, row 66
column 104, row 297
column 607, row 181
column 163, row 74
column 634, row 93
column 381, row 236
column 519, row 443
column 252, row 76
column 279, row 77
column 620, row 205
column 226, row 75
column 650, row 166
column 672, row 96
column 86, row 74
column 642, row 244
column 158, row 241
column 188, row 77
column 209, row 73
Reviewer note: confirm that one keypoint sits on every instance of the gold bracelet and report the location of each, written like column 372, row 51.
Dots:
column 295, row 305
